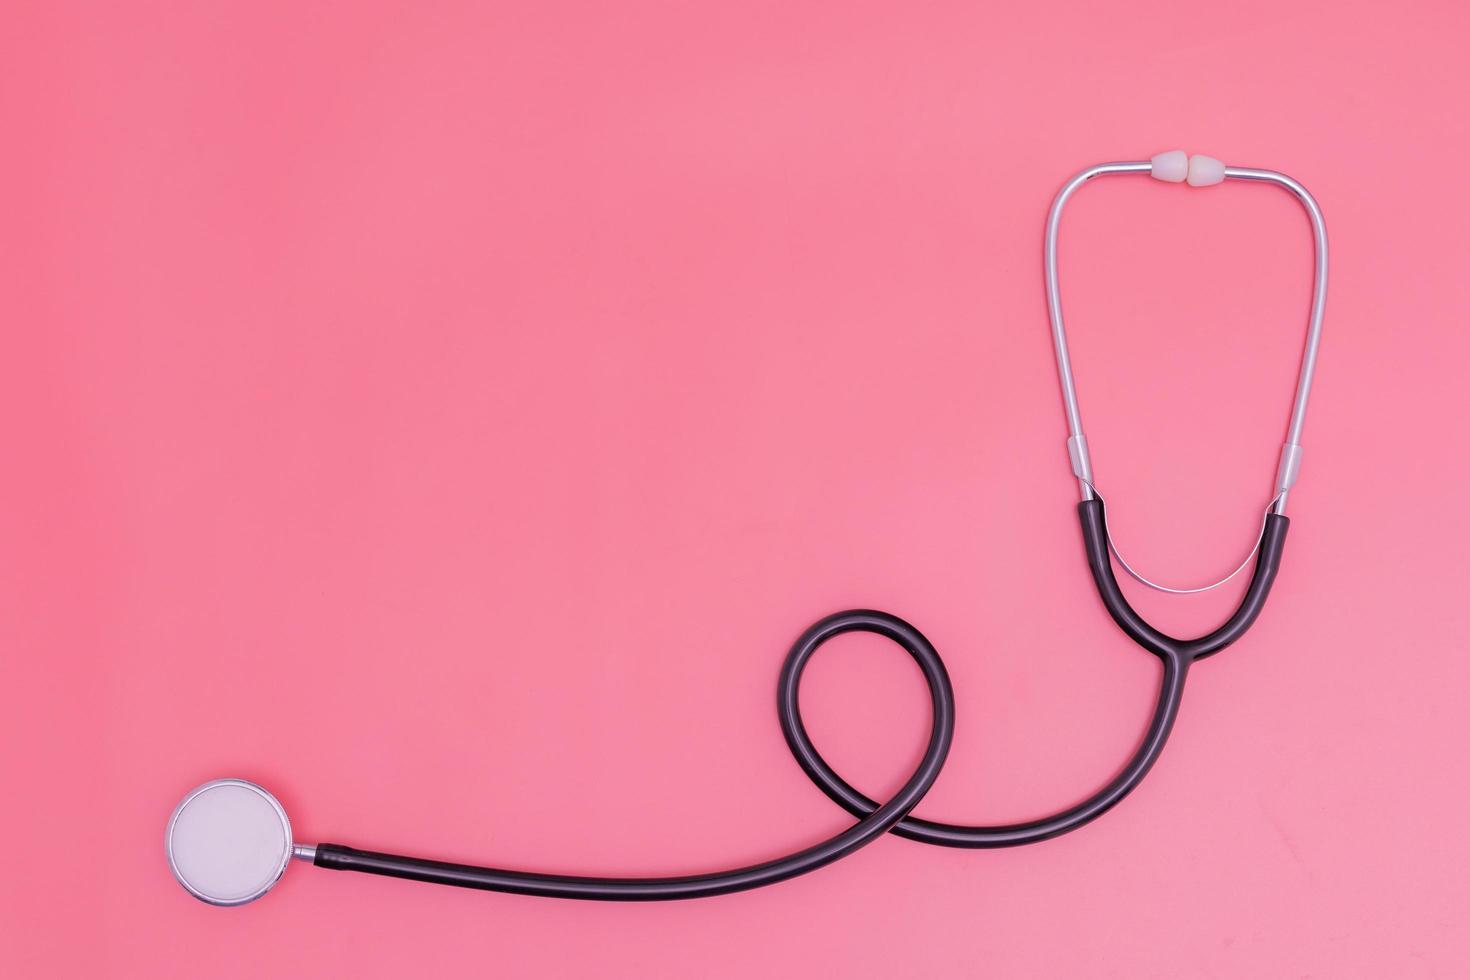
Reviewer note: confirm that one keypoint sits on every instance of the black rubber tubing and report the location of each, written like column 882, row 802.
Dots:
column 874, row 819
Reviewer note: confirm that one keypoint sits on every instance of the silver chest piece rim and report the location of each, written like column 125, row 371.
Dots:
column 228, row 842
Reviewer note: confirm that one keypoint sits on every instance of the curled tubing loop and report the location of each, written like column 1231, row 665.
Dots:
column 875, row 819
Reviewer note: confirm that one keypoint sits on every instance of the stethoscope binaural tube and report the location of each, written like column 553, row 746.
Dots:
column 229, row 841
column 1200, row 171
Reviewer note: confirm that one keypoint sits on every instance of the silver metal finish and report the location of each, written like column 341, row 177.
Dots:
column 1289, row 464
column 191, row 887
column 1173, row 590
column 304, row 852
column 1077, row 442
column 1291, row 451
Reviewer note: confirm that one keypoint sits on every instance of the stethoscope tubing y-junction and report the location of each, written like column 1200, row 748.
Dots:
column 876, row 819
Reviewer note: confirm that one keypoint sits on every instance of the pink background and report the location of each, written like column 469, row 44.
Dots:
column 447, row 416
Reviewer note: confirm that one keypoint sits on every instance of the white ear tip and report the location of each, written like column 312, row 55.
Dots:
column 1204, row 171
column 1172, row 166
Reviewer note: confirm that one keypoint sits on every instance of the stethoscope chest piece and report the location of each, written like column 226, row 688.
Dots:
column 228, row 842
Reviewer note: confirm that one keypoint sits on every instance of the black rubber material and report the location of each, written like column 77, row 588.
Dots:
column 874, row 819
column 865, row 831
column 1268, row 562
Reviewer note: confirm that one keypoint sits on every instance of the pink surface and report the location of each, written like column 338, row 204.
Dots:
column 447, row 416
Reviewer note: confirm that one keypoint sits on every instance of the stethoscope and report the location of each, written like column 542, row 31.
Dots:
column 229, row 841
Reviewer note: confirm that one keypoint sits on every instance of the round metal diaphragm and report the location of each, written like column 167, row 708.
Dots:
column 228, row 842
